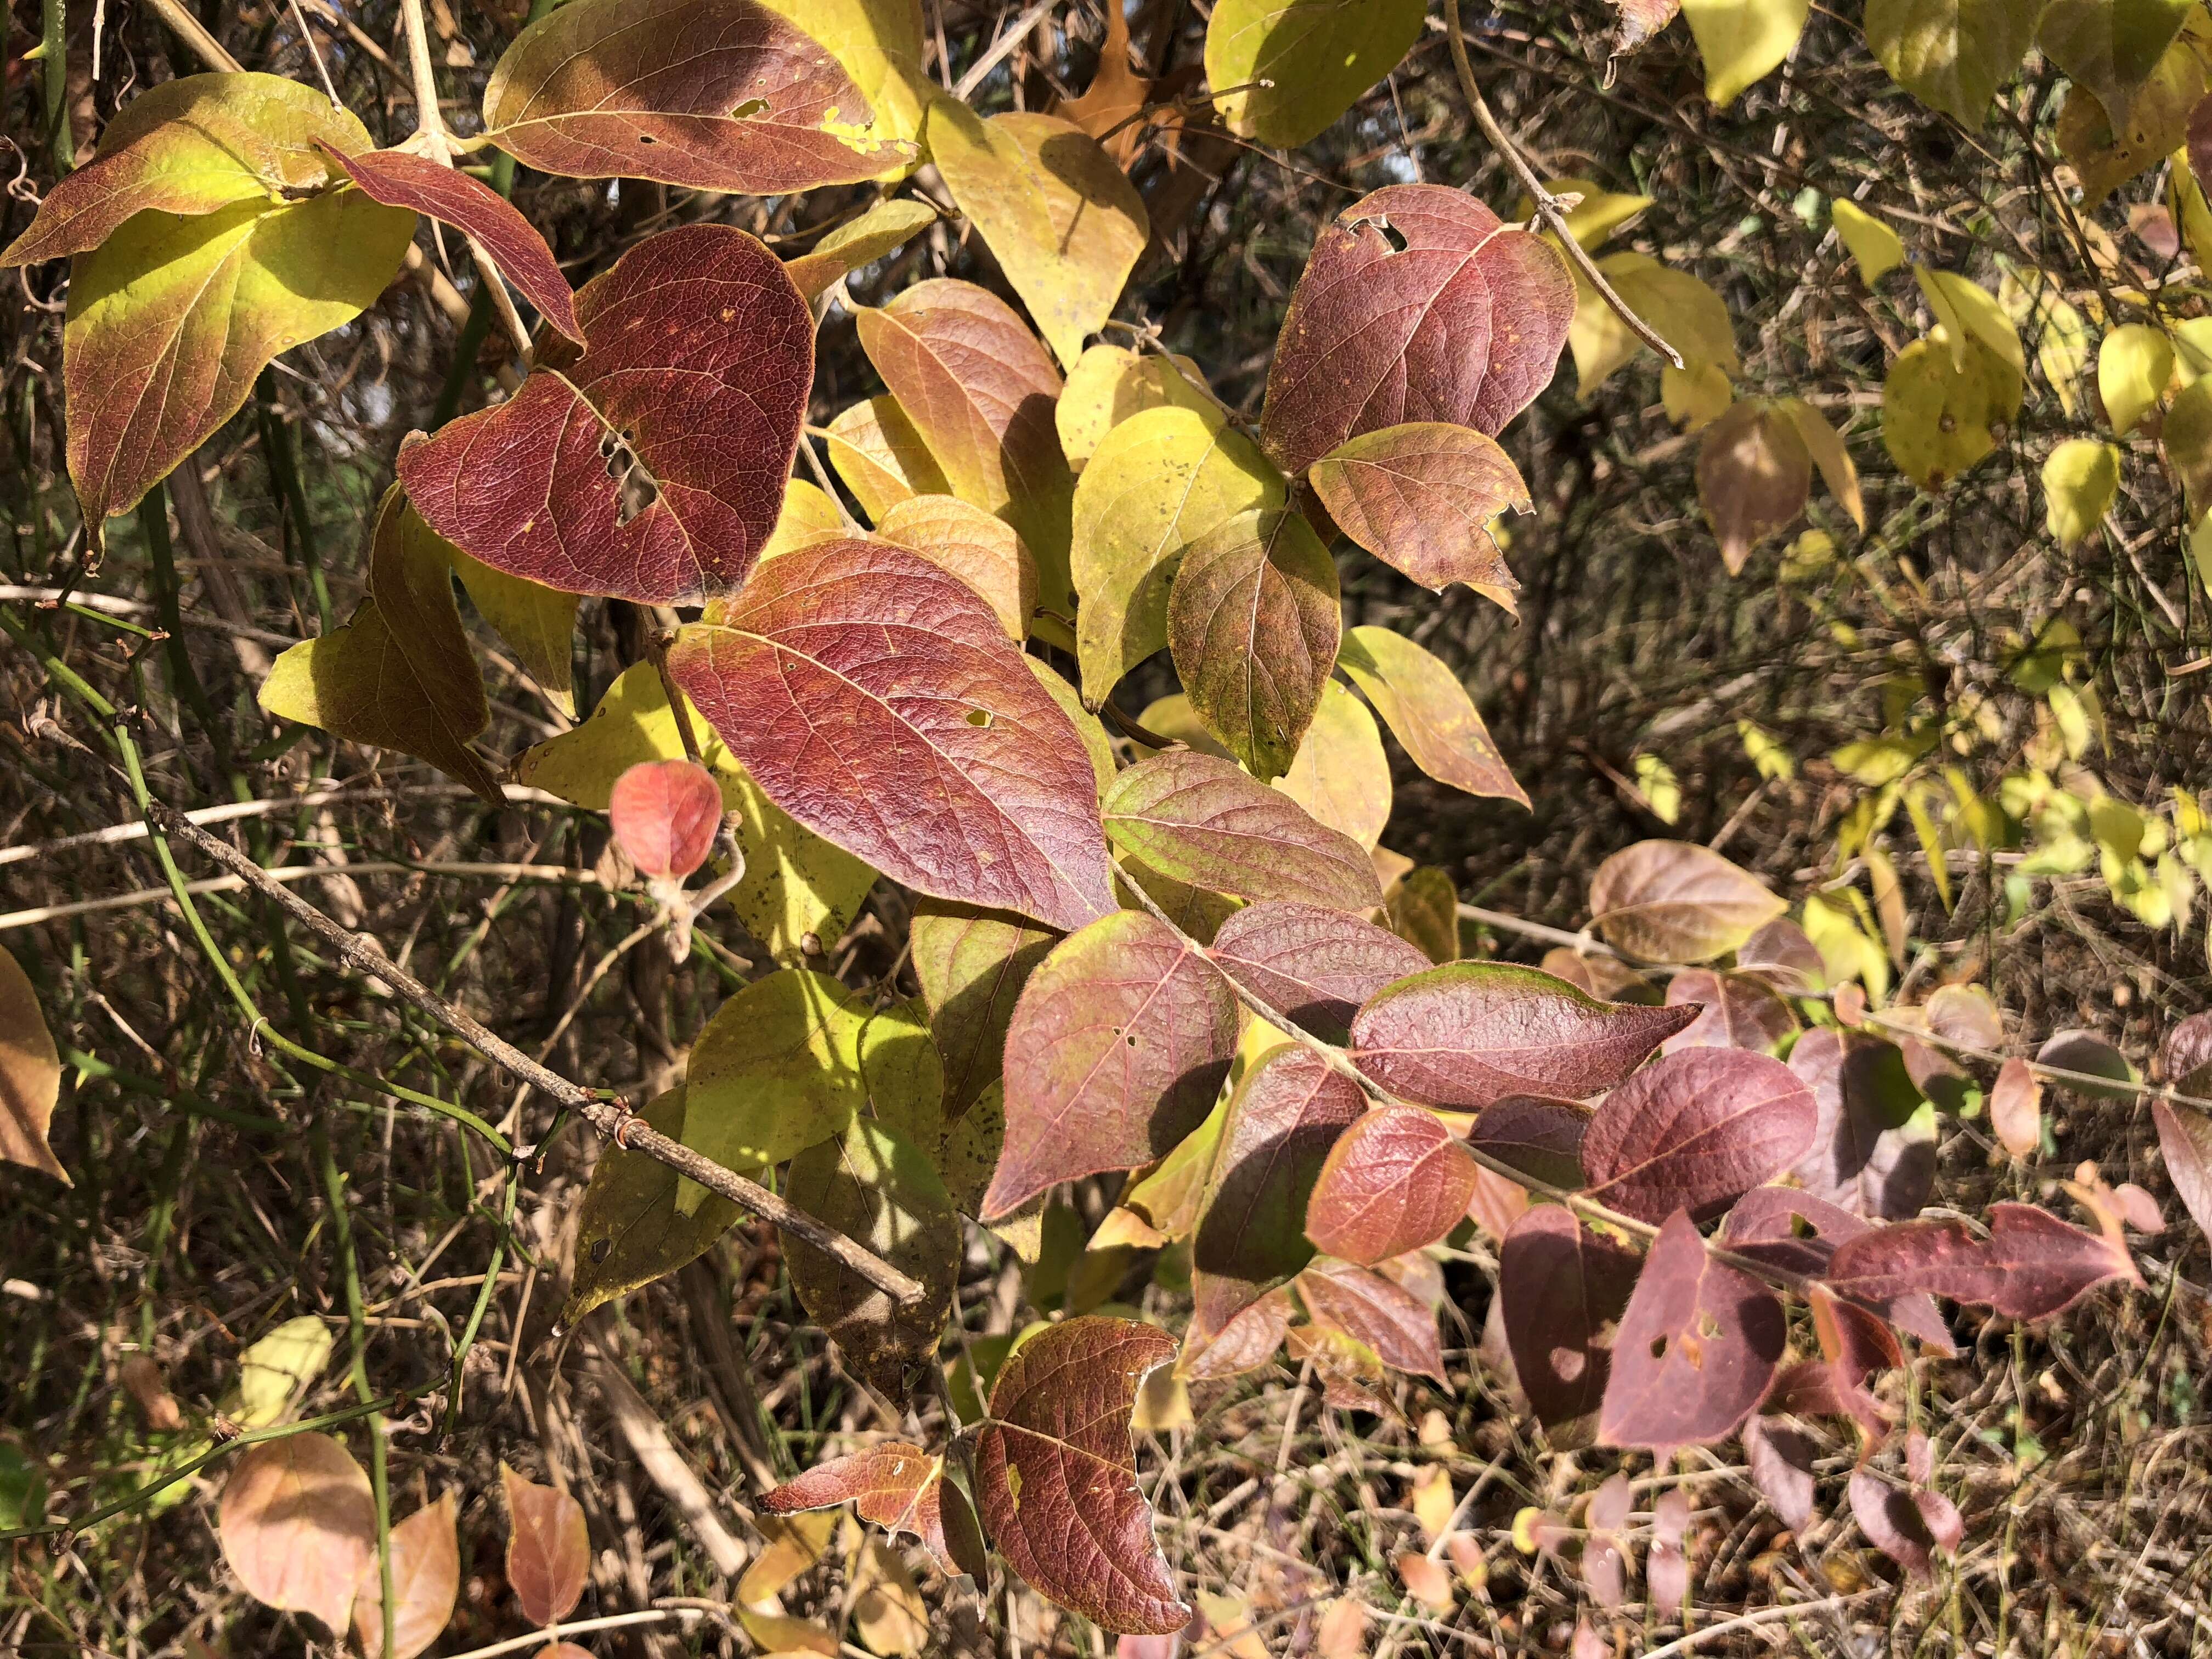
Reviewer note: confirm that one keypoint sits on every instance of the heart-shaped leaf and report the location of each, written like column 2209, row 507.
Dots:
column 1056, row 1481
column 1561, row 1289
column 716, row 94
column 549, row 1552
column 1674, row 901
column 1286, row 1113
column 650, row 467
column 1420, row 497
column 1388, row 1318
column 1469, row 1033
column 1427, row 710
column 1116, row 1051
column 1314, row 964
column 1254, row 619
column 1697, row 1347
column 1394, row 1180
column 298, row 1526
column 1418, row 304
column 876, row 700
column 30, row 1074
column 426, row 1580
column 899, row 1487
column 1694, row 1131
column 1199, row 820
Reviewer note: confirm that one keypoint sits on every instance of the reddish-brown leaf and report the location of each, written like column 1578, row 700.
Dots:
column 652, row 466
column 1754, row 476
column 1469, row 1033
column 1639, row 21
column 1420, row 497
column 1540, row 1137
column 1245, row 1343
column 1862, row 1155
column 716, row 94
column 2185, row 1056
column 30, row 1074
column 399, row 178
column 426, row 1578
column 1395, row 1181
column 1117, row 1048
column 1313, row 964
column 1695, row 1130
column 1892, row 1523
column 1561, row 1289
column 2031, row 1266
column 1674, row 901
column 1388, row 1318
column 1056, row 1480
column 1696, row 1351
column 1199, row 820
column 1287, row 1112
column 1781, row 1460
column 549, row 1553
column 2016, row 1108
column 1416, row 304
column 298, row 1524
column 1739, row 1013
column 972, row 965
column 2185, row 1141
column 1801, row 1234
column 664, row 814
column 899, row 1487
column 875, row 698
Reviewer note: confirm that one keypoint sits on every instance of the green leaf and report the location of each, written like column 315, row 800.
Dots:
column 628, row 1230
column 400, row 675
column 1109, row 383
column 775, row 1071
column 1066, row 224
column 2110, row 46
column 2080, row 480
column 1952, row 55
column 2133, row 367
column 1428, row 711
column 1157, row 482
column 1340, row 773
column 1320, row 55
column 971, row 965
column 1873, row 245
column 1742, row 41
column 887, row 225
column 538, row 622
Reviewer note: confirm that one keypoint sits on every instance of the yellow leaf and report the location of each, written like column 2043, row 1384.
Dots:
column 1952, row 55
column 537, row 622
column 2186, row 437
column 980, row 549
column 2110, row 46
column 1662, row 791
column 1340, row 773
column 1110, row 383
column 1766, row 751
column 859, row 241
column 2192, row 348
column 1846, row 952
column 888, row 1611
column 1697, row 396
column 1596, row 216
column 2079, row 481
column 1688, row 315
column 1967, row 313
column 879, row 43
column 2060, row 332
column 1742, row 41
column 881, row 457
column 1229, row 1632
column 2105, row 156
column 2133, row 367
column 275, row 1371
column 809, row 516
column 1434, row 1501
column 1825, row 445
column 1874, row 246
column 1320, row 56
column 1938, row 417
column 30, row 1074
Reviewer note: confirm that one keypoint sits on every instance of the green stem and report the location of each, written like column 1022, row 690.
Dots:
column 53, row 60
column 484, row 1293
column 292, row 498
column 357, row 1325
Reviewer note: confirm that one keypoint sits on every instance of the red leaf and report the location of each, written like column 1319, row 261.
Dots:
column 1781, row 1460
column 1892, row 1523
column 1416, row 304
column 1420, row 498
column 1245, row 1343
column 1799, row 1233
column 688, row 395
column 1861, row 1157
column 664, row 814
column 1469, row 1033
column 1541, row 1137
column 1285, row 1114
column 549, row 1554
column 1314, row 964
column 1561, row 1287
column 1738, row 1011
column 1398, row 1325
column 899, row 1487
column 1116, row 1051
column 2185, row 1056
column 972, row 965
column 2031, row 1266
column 1696, row 1351
column 876, row 698
column 2185, row 1141
column 1203, row 821
column 1695, row 1132
column 1395, row 1181
column 1057, row 1480
column 400, row 177
column 716, row 94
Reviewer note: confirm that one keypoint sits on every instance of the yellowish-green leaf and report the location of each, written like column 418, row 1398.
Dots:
column 1874, row 761
column 1917, row 807
column 1064, row 222
column 1766, row 751
column 775, row 1071
column 2060, row 333
column 2192, row 348
column 1833, row 460
column 275, row 1371
column 1689, row 316
column 2187, row 439
column 538, row 622
column 1158, row 482
column 1660, row 789
column 1340, row 773
column 1874, row 246
column 1939, row 418
column 1110, row 383
column 1096, row 743
column 2073, row 713
column 2110, row 46
column 880, row 457
column 1847, row 951
column 1967, row 314
column 30, row 1074
column 1697, row 396
column 860, row 242
column 1952, row 55
column 628, row 1232
column 2079, row 481
column 1742, row 41
column 879, row 42
column 2133, row 367
column 400, row 675
column 2106, row 156
column 1318, row 55
column 2184, row 198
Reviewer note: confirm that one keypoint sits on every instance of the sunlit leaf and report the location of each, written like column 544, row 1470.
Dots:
column 1397, row 1324
column 1117, row 1047
column 2110, row 46
column 1696, row 1130
column 1420, row 497
column 2080, row 480
column 652, row 465
column 898, row 1486
column 1320, row 55
column 1449, row 316
column 426, row 1580
column 1596, row 216
column 549, row 1552
column 1740, row 1011
column 1541, row 1138
column 880, row 457
column 1201, row 821
column 1314, row 964
column 1697, row 1345
column 1109, row 383
column 983, row 550
column 877, row 700
column 666, row 814
column 298, row 1526
column 1395, row 1181
column 886, row 226
column 2031, row 1265
column 2105, row 153
column 275, row 1373
column 1674, row 901
column 717, row 94
column 1428, row 711
column 1562, row 1288
column 1340, row 773
column 1952, row 55
column 1876, row 249
column 880, row 43
column 1056, row 1481
column 1688, row 314
column 2134, row 364
column 30, row 1074
column 1742, row 41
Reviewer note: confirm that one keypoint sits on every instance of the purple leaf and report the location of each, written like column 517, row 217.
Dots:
column 1395, row 1181
column 1666, row 1569
column 1398, row 1325
column 1862, row 1157
column 876, row 698
column 1245, row 1343
column 1562, row 1287
column 1739, row 1011
column 2185, row 1056
column 651, row 467
column 1695, row 1130
column 1892, row 1523
column 2031, row 1266
column 1782, row 1468
column 1469, row 1033
column 1541, row 1137
column 1314, row 964
column 1799, row 1233
column 2185, row 1141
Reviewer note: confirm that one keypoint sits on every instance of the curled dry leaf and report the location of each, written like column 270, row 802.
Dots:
column 1395, row 1181
column 30, row 1074
column 298, row 1524
column 651, row 465
column 426, row 1578
column 1673, row 900
column 2016, row 1108
column 1695, row 1130
column 1313, row 964
column 1562, row 1289
column 1056, row 1480
column 666, row 814
column 549, row 1554
column 898, row 1486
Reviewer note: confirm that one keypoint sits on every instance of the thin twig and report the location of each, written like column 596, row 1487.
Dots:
column 612, row 1118
column 1548, row 208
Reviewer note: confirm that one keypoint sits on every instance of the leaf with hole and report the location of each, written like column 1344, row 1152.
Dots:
column 881, row 45
column 1562, row 1287
column 1395, row 1181
column 298, row 1526
column 1428, row 711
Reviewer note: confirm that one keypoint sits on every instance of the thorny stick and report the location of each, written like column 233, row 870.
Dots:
column 607, row 1116
column 1547, row 206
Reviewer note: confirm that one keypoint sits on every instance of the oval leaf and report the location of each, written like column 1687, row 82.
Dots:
column 1340, row 773
column 628, row 1230
column 775, row 1071
column 1673, row 900
column 426, row 1579
column 1695, row 1132
column 2031, row 1265
column 1286, row 69
column 549, row 1553
column 1311, row 964
column 1395, row 1181
column 981, row 550
column 666, row 814
column 1420, row 497
column 30, row 1074
column 298, row 1525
